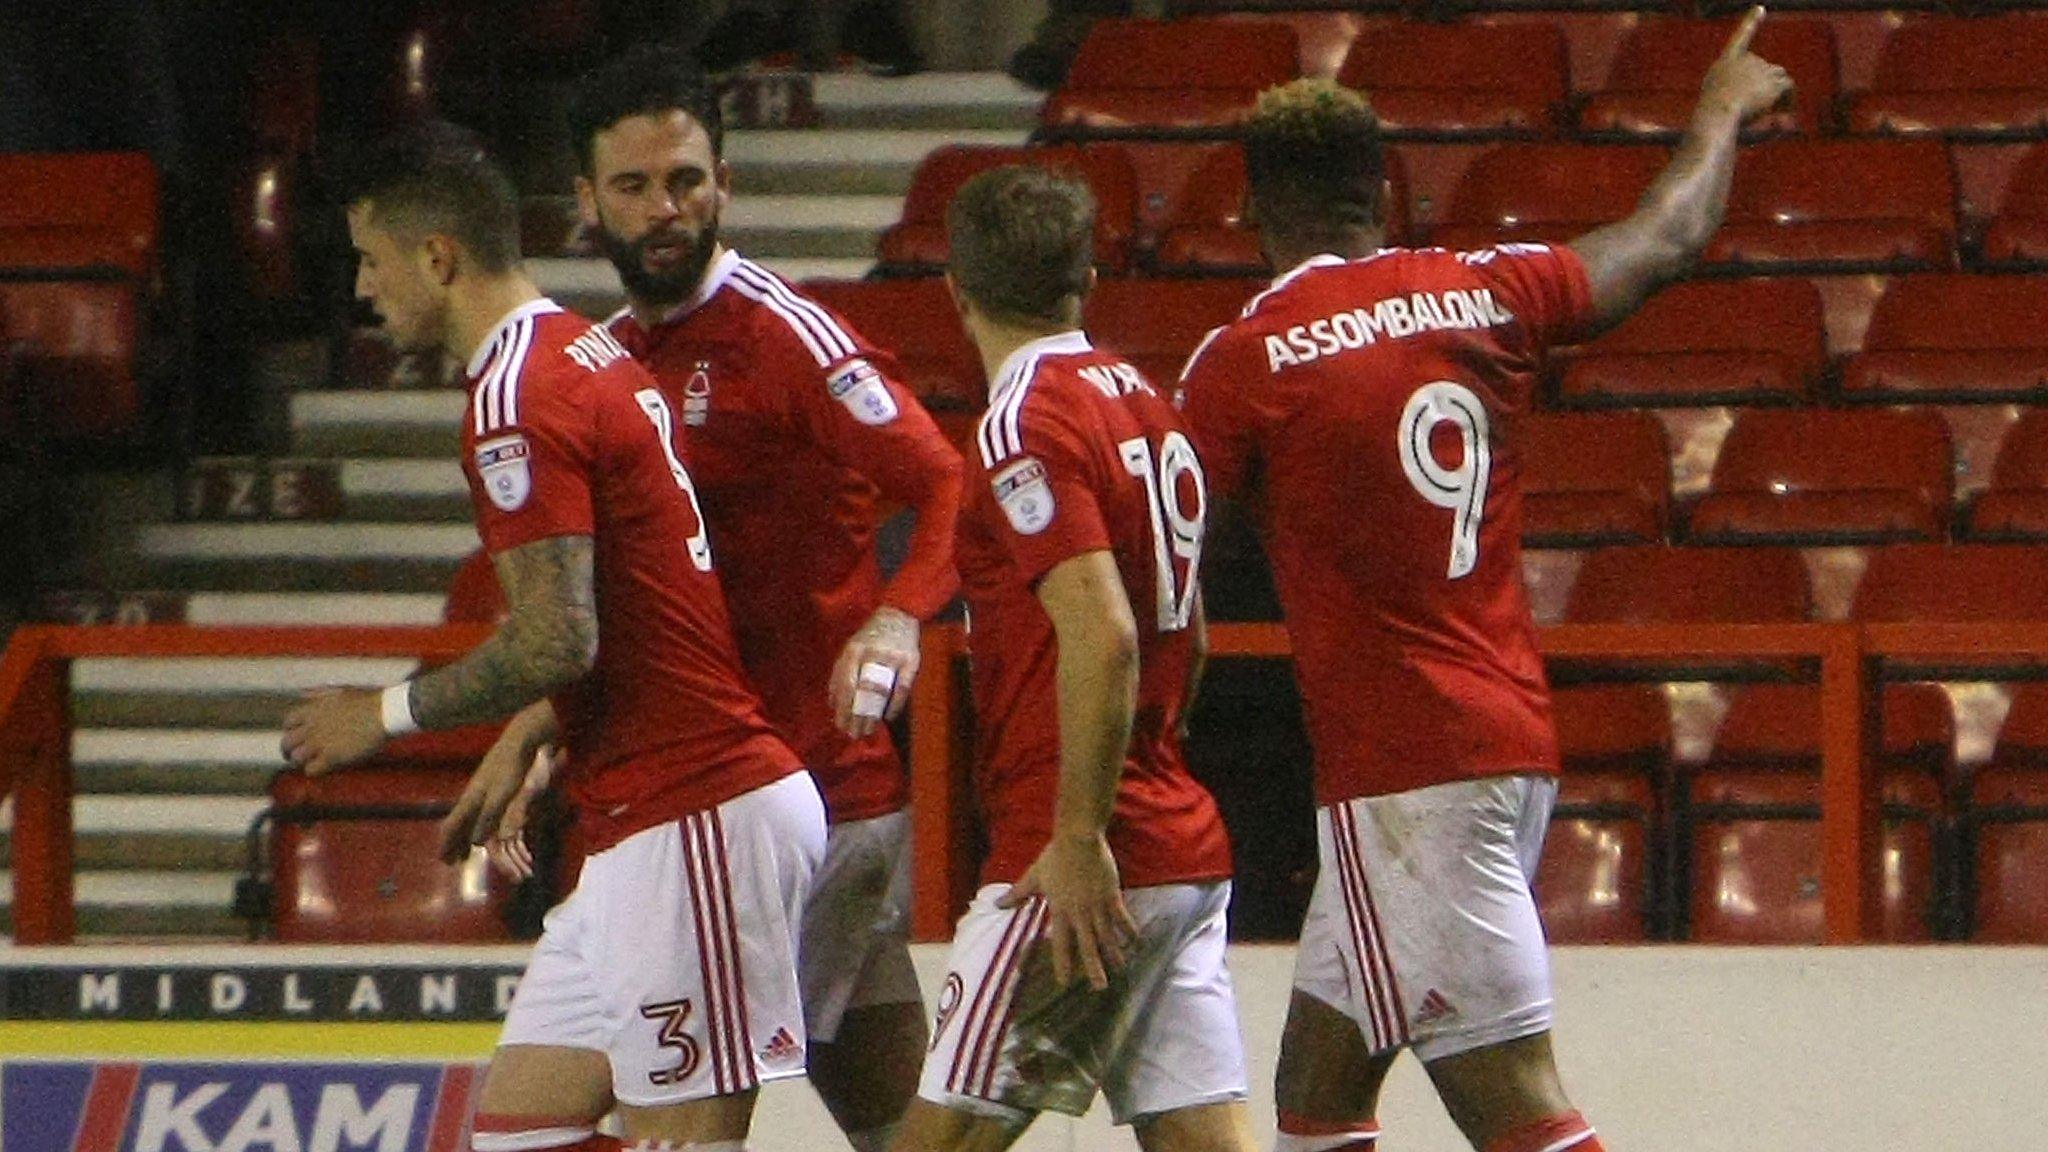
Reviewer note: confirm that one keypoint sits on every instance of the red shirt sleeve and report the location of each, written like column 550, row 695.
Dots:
column 1045, row 495
column 1544, row 285
column 530, row 479
column 1216, row 402
column 862, row 418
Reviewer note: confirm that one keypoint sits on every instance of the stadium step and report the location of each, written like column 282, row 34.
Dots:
column 839, row 162
column 303, row 557
column 244, row 488
column 418, row 423
column 934, row 100
column 210, row 693
column 138, row 904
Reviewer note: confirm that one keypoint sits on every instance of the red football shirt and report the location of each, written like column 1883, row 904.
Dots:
column 796, row 432
column 1079, row 453
column 1367, row 409
column 567, row 436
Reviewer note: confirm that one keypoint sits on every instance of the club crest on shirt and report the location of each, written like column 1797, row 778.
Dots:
column 502, row 466
column 697, row 396
column 1024, row 495
column 860, row 387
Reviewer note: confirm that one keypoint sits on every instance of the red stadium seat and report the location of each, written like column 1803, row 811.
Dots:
column 1544, row 192
column 1957, row 338
column 1981, row 77
column 918, row 241
column 75, row 353
column 2006, row 827
column 1707, row 342
column 1655, row 78
column 1661, row 585
column 915, row 321
column 1957, row 583
column 2018, row 235
column 1593, row 478
column 1829, row 477
column 1598, row 876
column 1155, row 324
column 1840, row 206
column 353, row 860
column 101, row 204
column 2015, row 506
column 1181, row 77
column 1594, row 884
column 1756, row 857
column 1461, row 81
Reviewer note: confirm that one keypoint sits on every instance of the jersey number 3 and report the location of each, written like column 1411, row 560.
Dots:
column 1176, row 530
column 651, row 402
column 1461, row 489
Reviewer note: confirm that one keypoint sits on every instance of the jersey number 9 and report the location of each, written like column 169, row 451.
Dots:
column 1462, row 489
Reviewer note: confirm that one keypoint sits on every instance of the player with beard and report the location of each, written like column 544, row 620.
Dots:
column 797, row 435
column 667, row 983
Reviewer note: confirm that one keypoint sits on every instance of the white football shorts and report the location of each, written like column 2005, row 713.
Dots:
column 1009, row 1042
column 1422, row 927
column 855, row 948
column 676, row 956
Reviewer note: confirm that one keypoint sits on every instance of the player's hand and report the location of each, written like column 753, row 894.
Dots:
column 1087, row 925
column 482, row 807
column 1741, row 83
column 871, row 682
column 507, row 850
column 333, row 728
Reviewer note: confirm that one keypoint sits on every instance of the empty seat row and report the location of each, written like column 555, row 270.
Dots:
column 1796, row 206
column 1492, row 80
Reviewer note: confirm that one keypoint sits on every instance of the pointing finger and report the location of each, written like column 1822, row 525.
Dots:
column 1739, row 43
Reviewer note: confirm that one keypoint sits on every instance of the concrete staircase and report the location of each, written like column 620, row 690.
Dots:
column 173, row 757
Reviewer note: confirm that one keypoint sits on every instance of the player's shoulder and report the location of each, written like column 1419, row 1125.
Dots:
column 1034, row 393
column 786, row 321
column 541, row 366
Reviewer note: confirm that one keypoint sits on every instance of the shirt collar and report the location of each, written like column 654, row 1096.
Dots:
column 538, row 306
column 1072, row 342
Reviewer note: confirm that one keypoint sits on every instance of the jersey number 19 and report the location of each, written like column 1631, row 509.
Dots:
column 1176, row 529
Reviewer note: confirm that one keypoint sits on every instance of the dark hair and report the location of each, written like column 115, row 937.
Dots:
column 1312, row 156
column 645, row 79
column 437, row 177
column 1023, row 241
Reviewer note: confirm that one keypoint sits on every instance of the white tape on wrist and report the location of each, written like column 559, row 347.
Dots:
column 872, row 689
column 397, row 710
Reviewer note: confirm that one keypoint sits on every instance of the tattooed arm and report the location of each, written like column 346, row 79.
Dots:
column 549, row 639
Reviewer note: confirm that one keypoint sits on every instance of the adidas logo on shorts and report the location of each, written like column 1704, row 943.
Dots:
column 1434, row 1008
column 782, row 1046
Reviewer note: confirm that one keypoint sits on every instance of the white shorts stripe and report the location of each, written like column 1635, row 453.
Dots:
column 700, row 911
column 1368, row 974
column 988, row 1001
column 744, row 1040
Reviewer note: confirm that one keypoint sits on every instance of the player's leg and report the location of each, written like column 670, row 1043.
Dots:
column 699, row 962
column 1326, row 1086
column 1177, row 1071
column 929, row 1127
column 550, row 1080
column 861, row 1002
column 1339, row 1038
column 1203, row 1128
column 1449, row 870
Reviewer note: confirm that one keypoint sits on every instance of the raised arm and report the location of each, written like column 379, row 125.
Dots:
column 1627, row 261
